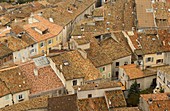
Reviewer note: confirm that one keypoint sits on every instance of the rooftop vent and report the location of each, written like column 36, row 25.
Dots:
column 150, row 100
column 153, row 39
column 66, row 63
column 51, row 20
column 19, row 85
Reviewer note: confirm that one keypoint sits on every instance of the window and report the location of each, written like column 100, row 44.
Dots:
column 50, row 41
column 59, row 92
column 117, row 63
column 104, row 77
column 41, row 44
column 126, row 63
column 159, row 61
column 138, row 85
column 20, row 97
column 74, row 82
column 42, row 51
column 149, row 59
column 89, row 95
column 102, row 69
column 109, row 75
column 32, row 50
column 117, row 74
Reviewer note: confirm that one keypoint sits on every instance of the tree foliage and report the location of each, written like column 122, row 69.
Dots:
column 133, row 95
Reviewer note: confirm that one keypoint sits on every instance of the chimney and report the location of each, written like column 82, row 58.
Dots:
column 83, row 53
column 36, row 72
column 61, row 66
column 51, row 20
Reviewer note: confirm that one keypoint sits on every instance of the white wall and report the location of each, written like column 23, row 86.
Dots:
column 24, row 54
column 4, row 101
column 95, row 92
column 156, row 57
column 121, row 63
column 69, row 85
column 24, row 93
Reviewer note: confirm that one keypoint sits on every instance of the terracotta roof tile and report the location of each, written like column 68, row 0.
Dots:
column 4, row 51
column 92, row 104
column 126, row 109
column 32, row 104
column 92, row 86
column 134, row 72
column 145, row 19
column 43, row 24
column 155, row 97
column 63, row 103
column 63, row 17
column 77, row 67
column 115, row 99
column 45, row 80
column 14, row 79
column 107, row 51
column 163, row 105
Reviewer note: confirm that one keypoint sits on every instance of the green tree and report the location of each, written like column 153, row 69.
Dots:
column 133, row 95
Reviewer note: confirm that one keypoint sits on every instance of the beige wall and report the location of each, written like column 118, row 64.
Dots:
column 55, row 41
column 6, row 100
column 69, row 85
column 155, row 57
column 107, row 72
column 95, row 92
column 121, row 63
column 24, row 93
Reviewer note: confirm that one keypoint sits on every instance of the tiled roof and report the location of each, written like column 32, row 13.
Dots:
column 61, row 15
column 4, row 51
column 45, row 80
column 135, row 72
column 15, row 43
column 93, row 86
column 81, row 41
column 63, row 103
column 98, row 12
column 53, row 29
column 92, row 104
column 149, row 44
column 164, row 36
column 145, row 19
column 126, row 109
column 32, row 104
column 107, row 51
column 163, row 105
column 14, row 79
column 17, row 29
column 3, row 89
column 165, row 69
column 77, row 67
column 155, row 97
column 129, row 17
column 161, row 10
column 115, row 99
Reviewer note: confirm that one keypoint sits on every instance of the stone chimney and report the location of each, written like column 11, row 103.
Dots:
column 36, row 71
